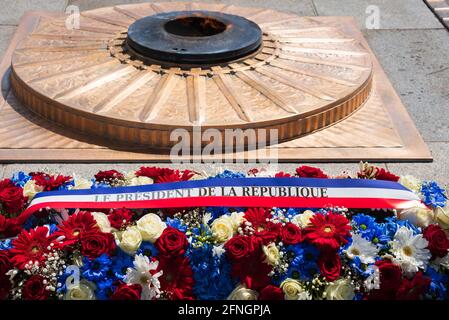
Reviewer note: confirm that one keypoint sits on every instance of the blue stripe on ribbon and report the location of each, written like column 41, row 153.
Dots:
column 235, row 182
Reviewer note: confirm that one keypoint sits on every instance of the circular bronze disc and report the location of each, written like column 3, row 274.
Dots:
column 304, row 77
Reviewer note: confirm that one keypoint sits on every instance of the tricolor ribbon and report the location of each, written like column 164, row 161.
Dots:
column 235, row 192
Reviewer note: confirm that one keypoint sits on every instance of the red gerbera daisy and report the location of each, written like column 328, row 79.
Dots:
column 49, row 182
column 263, row 227
column 177, row 277
column 160, row 175
column 328, row 231
column 77, row 224
column 30, row 246
column 258, row 217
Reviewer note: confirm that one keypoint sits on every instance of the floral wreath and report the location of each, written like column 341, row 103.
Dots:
column 221, row 253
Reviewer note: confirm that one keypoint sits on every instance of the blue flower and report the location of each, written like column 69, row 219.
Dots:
column 212, row 274
column 438, row 285
column 97, row 269
column 120, row 264
column 176, row 223
column 433, row 194
column 217, row 212
column 20, row 178
column 5, row 244
column 359, row 268
column 392, row 224
column 147, row 249
column 363, row 223
column 369, row 229
column 99, row 185
column 104, row 288
column 228, row 174
column 303, row 261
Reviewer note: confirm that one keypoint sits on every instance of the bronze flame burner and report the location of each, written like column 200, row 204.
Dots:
column 194, row 37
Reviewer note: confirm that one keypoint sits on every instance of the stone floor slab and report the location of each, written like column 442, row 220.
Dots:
column 302, row 7
column 417, row 63
column 394, row 14
column 6, row 33
column 438, row 170
column 12, row 10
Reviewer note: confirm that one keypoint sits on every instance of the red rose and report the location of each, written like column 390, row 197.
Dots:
column 383, row 174
column 108, row 176
column 330, row 265
column 282, row 174
column 252, row 272
column 291, row 234
column 438, row 241
column 240, row 247
column 5, row 286
column 271, row 292
column 94, row 244
column 177, row 277
column 12, row 199
column 5, row 263
column 9, row 227
column 172, row 242
column 390, row 275
column 120, row 218
column 34, row 289
column 127, row 292
column 413, row 289
column 310, row 172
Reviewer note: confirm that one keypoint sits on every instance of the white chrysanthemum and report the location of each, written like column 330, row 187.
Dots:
column 410, row 251
column 363, row 249
column 141, row 274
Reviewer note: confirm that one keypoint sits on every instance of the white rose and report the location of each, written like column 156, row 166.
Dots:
column 442, row 216
column 411, row 183
column 303, row 219
column 151, row 227
column 237, row 219
column 132, row 180
column 243, row 293
column 341, row 289
column 30, row 189
column 293, row 290
column 420, row 217
column 222, row 228
column 83, row 291
column 130, row 240
column 272, row 255
column 102, row 221
column 81, row 183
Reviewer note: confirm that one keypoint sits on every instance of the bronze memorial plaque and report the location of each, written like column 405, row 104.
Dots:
column 115, row 87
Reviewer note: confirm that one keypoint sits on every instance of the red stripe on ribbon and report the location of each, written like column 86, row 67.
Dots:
column 281, row 202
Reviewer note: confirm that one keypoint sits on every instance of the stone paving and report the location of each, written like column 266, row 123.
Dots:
column 410, row 42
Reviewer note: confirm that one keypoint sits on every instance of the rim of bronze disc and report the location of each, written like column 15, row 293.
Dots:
column 304, row 76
